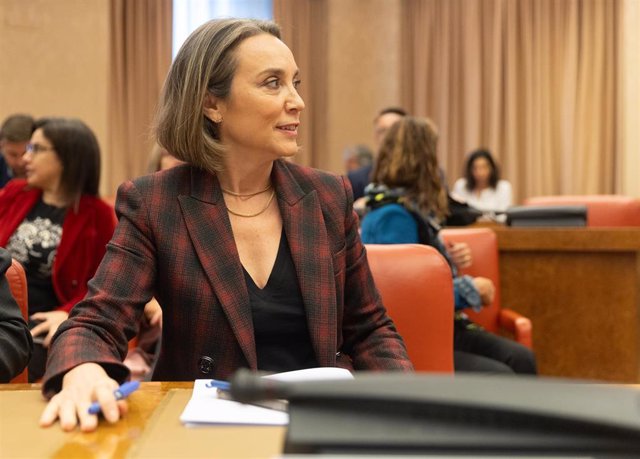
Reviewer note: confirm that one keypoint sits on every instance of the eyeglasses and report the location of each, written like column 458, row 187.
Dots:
column 36, row 148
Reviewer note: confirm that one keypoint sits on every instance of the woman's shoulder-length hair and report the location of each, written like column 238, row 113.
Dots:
column 204, row 65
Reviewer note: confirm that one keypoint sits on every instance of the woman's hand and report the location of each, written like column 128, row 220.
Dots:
column 153, row 313
column 460, row 254
column 81, row 386
column 50, row 322
column 486, row 289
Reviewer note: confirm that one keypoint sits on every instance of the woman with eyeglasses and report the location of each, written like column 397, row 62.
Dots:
column 54, row 223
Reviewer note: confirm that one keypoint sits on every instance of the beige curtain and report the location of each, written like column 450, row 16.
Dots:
column 305, row 30
column 532, row 80
column 141, row 36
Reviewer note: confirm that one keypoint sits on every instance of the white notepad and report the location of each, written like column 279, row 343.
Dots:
column 205, row 407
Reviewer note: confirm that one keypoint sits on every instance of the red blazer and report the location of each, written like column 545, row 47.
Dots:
column 174, row 241
column 85, row 234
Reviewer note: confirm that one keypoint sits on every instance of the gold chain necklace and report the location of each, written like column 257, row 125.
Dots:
column 240, row 195
column 238, row 214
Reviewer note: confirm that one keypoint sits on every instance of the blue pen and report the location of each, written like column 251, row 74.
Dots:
column 121, row 392
column 217, row 384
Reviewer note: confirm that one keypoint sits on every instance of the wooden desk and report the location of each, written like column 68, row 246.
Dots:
column 150, row 429
column 581, row 289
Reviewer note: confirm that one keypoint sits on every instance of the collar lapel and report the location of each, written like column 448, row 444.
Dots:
column 210, row 231
column 303, row 224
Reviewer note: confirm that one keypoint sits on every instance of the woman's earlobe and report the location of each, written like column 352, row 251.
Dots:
column 211, row 110
column 212, row 114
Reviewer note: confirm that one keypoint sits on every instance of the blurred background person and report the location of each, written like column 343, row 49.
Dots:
column 54, row 223
column 361, row 177
column 481, row 186
column 407, row 203
column 160, row 159
column 15, row 339
column 15, row 134
column 356, row 157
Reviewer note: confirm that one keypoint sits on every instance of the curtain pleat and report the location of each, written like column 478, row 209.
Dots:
column 304, row 30
column 532, row 80
column 141, row 37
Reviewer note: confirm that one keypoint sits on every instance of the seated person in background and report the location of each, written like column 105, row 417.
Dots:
column 256, row 261
column 55, row 225
column 15, row 339
column 160, row 159
column 407, row 202
column 357, row 156
column 361, row 177
column 15, row 134
column 481, row 186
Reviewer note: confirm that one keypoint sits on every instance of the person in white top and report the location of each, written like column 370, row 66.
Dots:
column 481, row 187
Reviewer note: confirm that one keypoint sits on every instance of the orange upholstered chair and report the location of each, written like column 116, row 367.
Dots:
column 484, row 250
column 18, row 285
column 602, row 209
column 417, row 289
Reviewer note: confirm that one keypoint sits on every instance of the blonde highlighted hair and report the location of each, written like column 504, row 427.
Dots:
column 204, row 65
column 407, row 159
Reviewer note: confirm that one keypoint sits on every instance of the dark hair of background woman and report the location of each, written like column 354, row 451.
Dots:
column 495, row 173
column 78, row 151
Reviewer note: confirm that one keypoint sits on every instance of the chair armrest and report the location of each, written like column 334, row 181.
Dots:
column 517, row 324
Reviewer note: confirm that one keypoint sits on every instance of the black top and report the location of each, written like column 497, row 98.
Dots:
column 280, row 325
column 35, row 244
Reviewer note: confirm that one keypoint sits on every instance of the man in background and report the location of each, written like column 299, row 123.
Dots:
column 360, row 178
column 357, row 156
column 15, row 134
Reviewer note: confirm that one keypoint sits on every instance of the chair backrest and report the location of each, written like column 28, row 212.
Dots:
column 18, row 285
column 603, row 210
column 484, row 251
column 417, row 289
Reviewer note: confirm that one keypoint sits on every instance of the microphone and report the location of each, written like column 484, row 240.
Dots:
column 248, row 387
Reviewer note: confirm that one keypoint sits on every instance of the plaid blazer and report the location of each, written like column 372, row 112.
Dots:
column 174, row 241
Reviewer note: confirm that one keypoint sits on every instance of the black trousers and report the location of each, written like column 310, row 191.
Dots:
column 38, row 361
column 477, row 350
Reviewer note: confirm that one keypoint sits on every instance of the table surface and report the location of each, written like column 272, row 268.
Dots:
column 151, row 428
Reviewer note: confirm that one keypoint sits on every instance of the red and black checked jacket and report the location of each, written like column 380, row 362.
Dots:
column 174, row 241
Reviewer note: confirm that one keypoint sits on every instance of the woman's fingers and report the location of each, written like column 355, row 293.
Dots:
column 42, row 327
column 82, row 385
column 50, row 413
column 67, row 414
column 107, row 400
column 88, row 422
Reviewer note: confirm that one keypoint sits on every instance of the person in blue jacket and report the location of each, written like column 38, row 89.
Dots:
column 406, row 203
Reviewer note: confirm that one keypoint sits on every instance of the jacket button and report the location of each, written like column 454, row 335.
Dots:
column 74, row 283
column 338, row 354
column 205, row 364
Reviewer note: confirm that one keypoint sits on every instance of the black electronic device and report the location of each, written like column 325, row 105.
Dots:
column 547, row 216
column 465, row 415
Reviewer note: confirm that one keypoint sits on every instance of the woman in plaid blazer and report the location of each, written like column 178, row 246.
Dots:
column 256, row 262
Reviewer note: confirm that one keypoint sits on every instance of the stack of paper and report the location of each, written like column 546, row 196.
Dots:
column 205, row 407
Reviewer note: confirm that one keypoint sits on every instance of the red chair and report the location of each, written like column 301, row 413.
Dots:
column 417, row 289
column 18, row 285
column 484, row 250
column 604, row 210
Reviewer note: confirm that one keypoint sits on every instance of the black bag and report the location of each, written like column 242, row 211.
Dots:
column 461, row 213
